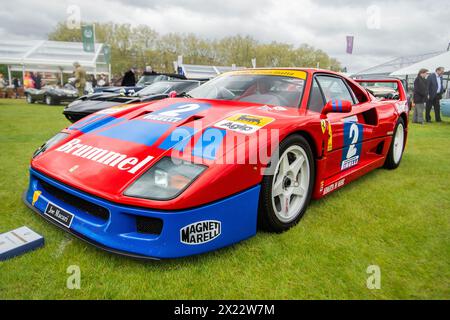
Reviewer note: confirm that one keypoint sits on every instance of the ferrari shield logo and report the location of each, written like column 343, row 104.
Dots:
column 323, row 125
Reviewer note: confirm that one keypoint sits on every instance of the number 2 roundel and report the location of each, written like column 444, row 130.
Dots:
column 353, row 137
column 177, row 112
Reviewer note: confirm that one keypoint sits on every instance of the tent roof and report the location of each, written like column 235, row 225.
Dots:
column 50, row 55
column 442, row 60
column 396, row 64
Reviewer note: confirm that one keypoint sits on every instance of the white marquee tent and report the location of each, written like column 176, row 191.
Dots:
column 51, row 56
column 442, row 60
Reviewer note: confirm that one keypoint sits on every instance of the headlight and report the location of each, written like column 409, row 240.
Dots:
column 57, row 138
column 165, row 180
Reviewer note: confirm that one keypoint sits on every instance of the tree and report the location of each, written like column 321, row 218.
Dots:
column 141, row 45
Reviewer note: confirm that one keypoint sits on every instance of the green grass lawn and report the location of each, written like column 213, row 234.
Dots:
column 398, row 220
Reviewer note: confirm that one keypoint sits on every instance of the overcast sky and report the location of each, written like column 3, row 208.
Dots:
column 383, row 29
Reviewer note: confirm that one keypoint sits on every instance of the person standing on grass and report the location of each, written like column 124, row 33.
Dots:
column 2, row 86
column 435, row 91
column 129, row 79
column 80, row 78
column 38, row 81
column 16, row 86
column 2, row 81
column 420, row 95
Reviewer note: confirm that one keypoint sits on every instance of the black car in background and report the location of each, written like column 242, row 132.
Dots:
column 51, row 94
column 143, row 82
column 92, row 103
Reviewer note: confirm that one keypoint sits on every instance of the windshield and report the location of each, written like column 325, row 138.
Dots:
column 392, row 85
column 155, row 88
column 254, row 86
column 146, row 80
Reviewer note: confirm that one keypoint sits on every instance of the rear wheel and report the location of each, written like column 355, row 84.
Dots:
column 395, row 153
column 285, row 195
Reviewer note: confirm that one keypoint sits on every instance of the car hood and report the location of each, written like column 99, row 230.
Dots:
column 107, row 151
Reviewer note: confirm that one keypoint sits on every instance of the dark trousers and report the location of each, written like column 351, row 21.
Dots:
column 436, row 104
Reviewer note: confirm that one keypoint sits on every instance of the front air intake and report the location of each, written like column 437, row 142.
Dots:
column 148, row 225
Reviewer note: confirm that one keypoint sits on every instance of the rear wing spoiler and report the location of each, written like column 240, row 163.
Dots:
column 395, row 84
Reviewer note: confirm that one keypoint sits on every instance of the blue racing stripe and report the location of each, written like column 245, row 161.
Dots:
column 137, row 131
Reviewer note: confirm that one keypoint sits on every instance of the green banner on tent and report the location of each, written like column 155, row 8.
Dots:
column 88, row 36
column 107, row 53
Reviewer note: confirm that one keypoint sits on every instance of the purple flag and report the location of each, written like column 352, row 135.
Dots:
column 350, row 40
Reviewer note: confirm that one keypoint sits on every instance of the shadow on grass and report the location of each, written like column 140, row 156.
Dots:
column 226, row 252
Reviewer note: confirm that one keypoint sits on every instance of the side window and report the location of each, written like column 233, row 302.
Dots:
column 316, row 102
column 334, row 88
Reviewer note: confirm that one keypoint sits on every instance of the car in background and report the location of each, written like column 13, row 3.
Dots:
column 382, row 90
column 144, row 81
column 51, row 94
column 89, row 104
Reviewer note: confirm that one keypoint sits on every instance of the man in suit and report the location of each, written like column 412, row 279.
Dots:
column 129, row 79
column 435, row 91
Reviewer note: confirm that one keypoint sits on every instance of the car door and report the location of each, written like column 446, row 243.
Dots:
column 348, row 131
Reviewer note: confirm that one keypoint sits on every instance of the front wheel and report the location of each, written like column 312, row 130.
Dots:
column 30, row 99
column 49, row 100
column 395, row 154
column 286, row 193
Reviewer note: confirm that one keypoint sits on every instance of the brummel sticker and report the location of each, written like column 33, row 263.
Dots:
column 244, row 123
column 200, row 232
column 353, row 136
column 59, row 215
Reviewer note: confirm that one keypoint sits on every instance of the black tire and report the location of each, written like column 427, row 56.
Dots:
column 29, row 98
column 267, row 218
column 393, row 162
column 49, row 100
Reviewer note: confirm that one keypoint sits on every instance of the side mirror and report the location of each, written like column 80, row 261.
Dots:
column 341, row 106
column 173, row 94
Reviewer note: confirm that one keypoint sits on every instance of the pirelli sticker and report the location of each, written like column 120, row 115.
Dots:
column 244, row 123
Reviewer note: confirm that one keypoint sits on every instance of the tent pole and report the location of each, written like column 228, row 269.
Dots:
column 62, row 76
column 9, row 75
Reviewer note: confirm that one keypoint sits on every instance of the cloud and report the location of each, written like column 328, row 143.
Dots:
column 406, row 27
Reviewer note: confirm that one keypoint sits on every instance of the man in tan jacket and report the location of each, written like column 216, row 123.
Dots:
column 80, row 78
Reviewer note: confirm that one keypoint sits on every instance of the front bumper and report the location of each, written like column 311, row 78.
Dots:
column 119, row 232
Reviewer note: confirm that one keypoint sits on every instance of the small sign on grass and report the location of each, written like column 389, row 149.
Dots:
column 18, row 242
